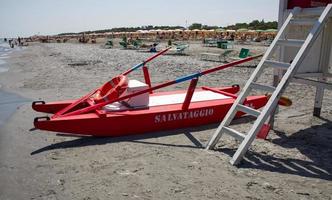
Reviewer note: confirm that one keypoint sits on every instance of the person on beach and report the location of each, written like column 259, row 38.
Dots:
column 19, row 41
column 232, row 37
column 11, row 43
column 153, row 47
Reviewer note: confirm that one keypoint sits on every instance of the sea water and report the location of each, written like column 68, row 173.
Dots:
column 5, row 50
column 9, row 102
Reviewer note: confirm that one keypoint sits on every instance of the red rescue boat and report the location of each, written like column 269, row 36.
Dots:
column 164, row 112
column 121, row 107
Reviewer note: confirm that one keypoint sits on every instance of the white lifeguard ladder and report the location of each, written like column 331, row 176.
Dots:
column 291, row 69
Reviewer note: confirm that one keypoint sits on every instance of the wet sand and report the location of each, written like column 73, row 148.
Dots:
column 294, row 163
column 9, row 102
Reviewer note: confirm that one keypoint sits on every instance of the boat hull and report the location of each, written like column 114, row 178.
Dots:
column 139, row 121
column 52, row 107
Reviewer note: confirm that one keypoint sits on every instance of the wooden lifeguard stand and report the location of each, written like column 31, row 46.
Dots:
column 303, row 43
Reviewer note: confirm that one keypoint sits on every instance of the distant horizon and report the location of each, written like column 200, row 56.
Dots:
column 48, row 17
column 135, row 27
column 144, row 27
column 129, row 27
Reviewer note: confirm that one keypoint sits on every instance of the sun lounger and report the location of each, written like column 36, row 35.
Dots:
column 209, row 42
column 109, row 44
column 220, row 57
column 180, row 48
column 243, row 54
column 225, row 44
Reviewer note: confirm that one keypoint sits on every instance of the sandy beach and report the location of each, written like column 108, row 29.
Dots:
column 293, row 163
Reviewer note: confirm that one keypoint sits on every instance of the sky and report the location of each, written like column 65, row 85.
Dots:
column 47, row 17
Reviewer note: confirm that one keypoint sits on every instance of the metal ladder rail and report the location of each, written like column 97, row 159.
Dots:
column 244, row 92
column 247, row 140
column 300, row 56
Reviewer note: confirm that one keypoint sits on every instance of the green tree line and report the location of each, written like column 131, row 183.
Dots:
column 254, row 25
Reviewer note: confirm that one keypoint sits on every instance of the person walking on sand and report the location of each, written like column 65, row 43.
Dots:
column 19, row 41
column 11, row 43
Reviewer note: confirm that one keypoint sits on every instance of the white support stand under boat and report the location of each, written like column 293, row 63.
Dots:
column 289, row 66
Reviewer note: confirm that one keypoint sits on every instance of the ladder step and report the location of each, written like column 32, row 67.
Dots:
column 262, row 87
column 277, row 64
column 248, row 110
column 235, row 134
column 303, row 21
column 291, row 42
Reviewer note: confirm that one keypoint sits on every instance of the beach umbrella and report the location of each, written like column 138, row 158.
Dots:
column 220, row 30
column 140, row 31
column 154, row 30
column 271, row 30
column 242, row 30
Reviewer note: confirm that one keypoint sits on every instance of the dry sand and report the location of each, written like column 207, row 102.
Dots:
column 294, row 163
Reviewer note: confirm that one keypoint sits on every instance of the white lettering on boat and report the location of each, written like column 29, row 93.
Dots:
column 193, row 114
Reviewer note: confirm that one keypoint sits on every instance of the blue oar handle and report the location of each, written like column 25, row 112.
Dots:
column 188, row 77
column 137, row 66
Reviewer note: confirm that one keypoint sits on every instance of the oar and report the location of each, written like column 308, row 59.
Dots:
column 146, row 61
column 178, row 80
column 71, row 106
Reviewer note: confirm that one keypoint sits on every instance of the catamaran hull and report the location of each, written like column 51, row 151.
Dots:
column 52, row 107
column 138, row 121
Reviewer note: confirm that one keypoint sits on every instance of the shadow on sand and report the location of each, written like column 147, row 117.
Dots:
column 314, row 142
column 90, row 141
